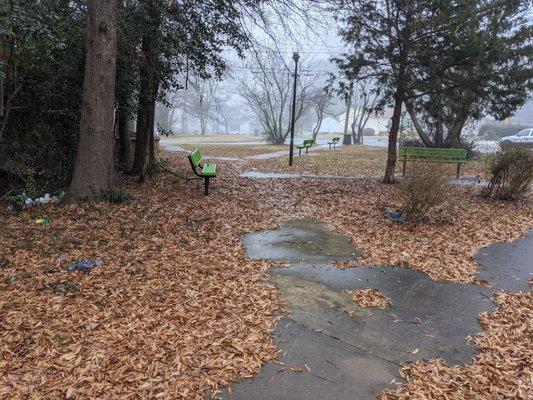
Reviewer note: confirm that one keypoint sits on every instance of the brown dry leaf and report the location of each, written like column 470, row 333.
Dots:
column 369, row 298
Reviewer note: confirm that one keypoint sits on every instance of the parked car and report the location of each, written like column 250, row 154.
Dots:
column 524, row 136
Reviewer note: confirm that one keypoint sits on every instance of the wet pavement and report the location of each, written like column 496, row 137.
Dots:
column 508, row 266
column 281, row 175
column 330, row 348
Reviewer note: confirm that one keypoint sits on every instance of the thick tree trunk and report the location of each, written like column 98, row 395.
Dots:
column 454, row 133
column 393, row 136
column 439, row 134
column 93, row 168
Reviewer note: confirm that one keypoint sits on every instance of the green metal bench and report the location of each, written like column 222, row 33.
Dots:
column 305, row 145
column 334, row 142
column 207, row 171
column 431, row 154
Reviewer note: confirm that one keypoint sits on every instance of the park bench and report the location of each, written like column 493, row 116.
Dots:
column 305, row 145
column 434, row 155
column 333, row 142
column 207, row 171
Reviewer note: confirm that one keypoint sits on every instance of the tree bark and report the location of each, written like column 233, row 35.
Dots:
column 414, row 119
column 93, row 168
column 124, row 138
column 145, row 115
column 150, row 125
column 454, row 132
column 439, row 134
column 393, row 134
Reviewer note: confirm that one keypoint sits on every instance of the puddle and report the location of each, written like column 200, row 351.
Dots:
column 300, row 240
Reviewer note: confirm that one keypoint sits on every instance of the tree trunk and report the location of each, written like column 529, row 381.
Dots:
column 454, row 133
column 184, row 125
column 414, row 119
column 124, row 138
column 150, row 125
column 393, row 135
column 93, row 168
column 142, row 137
column 439, row 134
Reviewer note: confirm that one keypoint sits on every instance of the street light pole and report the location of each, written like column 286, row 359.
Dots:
column 295, row 57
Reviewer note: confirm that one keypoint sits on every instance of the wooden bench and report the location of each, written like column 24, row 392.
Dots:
column 431, row 154
column 305, row 145
column 207, row 171
column 334, row 142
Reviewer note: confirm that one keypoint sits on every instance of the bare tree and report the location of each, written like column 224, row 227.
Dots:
column 267, row 88
column 365, row 100
column 321, row 102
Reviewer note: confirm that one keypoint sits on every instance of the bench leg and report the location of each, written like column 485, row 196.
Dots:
column 299, row 152
column 306, row 150
column 403, row 172
column 458, row 169
column 329, row 146
column 334, row 144
column 206, row 186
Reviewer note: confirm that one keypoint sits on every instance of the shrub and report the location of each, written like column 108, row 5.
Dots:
column 512, row 173
column 425, row 188
column 369, row 132
column 116, row 196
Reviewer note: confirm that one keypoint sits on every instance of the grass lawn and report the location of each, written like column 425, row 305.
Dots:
column 237, row 151
column 183, row 139
column 177, row 310
column 357, row 161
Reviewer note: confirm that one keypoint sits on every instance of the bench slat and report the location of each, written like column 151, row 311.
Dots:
column 429, row 152
column 209, row 170
column 195, row 157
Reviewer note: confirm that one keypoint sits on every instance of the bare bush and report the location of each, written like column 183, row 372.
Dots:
column 512, row 173
column 425, row 188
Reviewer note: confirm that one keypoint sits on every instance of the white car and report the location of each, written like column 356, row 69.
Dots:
column 524, row 136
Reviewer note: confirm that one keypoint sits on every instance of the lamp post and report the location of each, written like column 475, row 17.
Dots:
column 295, row 57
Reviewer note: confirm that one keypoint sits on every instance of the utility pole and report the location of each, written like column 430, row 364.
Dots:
column 295, row 57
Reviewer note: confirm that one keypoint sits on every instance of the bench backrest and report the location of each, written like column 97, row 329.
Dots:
column 336, row 140
column 432, row 152
column 195, row 157
column 308, row 142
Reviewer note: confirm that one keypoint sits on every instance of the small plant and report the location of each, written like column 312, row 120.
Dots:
column 116, row 196
column 512, row 173
column 424, row 189
column 157, row 166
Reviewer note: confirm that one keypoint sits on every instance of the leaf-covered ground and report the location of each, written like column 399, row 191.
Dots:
column 176, row 310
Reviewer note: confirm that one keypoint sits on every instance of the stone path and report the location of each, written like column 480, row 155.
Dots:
column 344, row 351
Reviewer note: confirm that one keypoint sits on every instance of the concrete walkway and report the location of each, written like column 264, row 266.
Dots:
column 333, row 349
